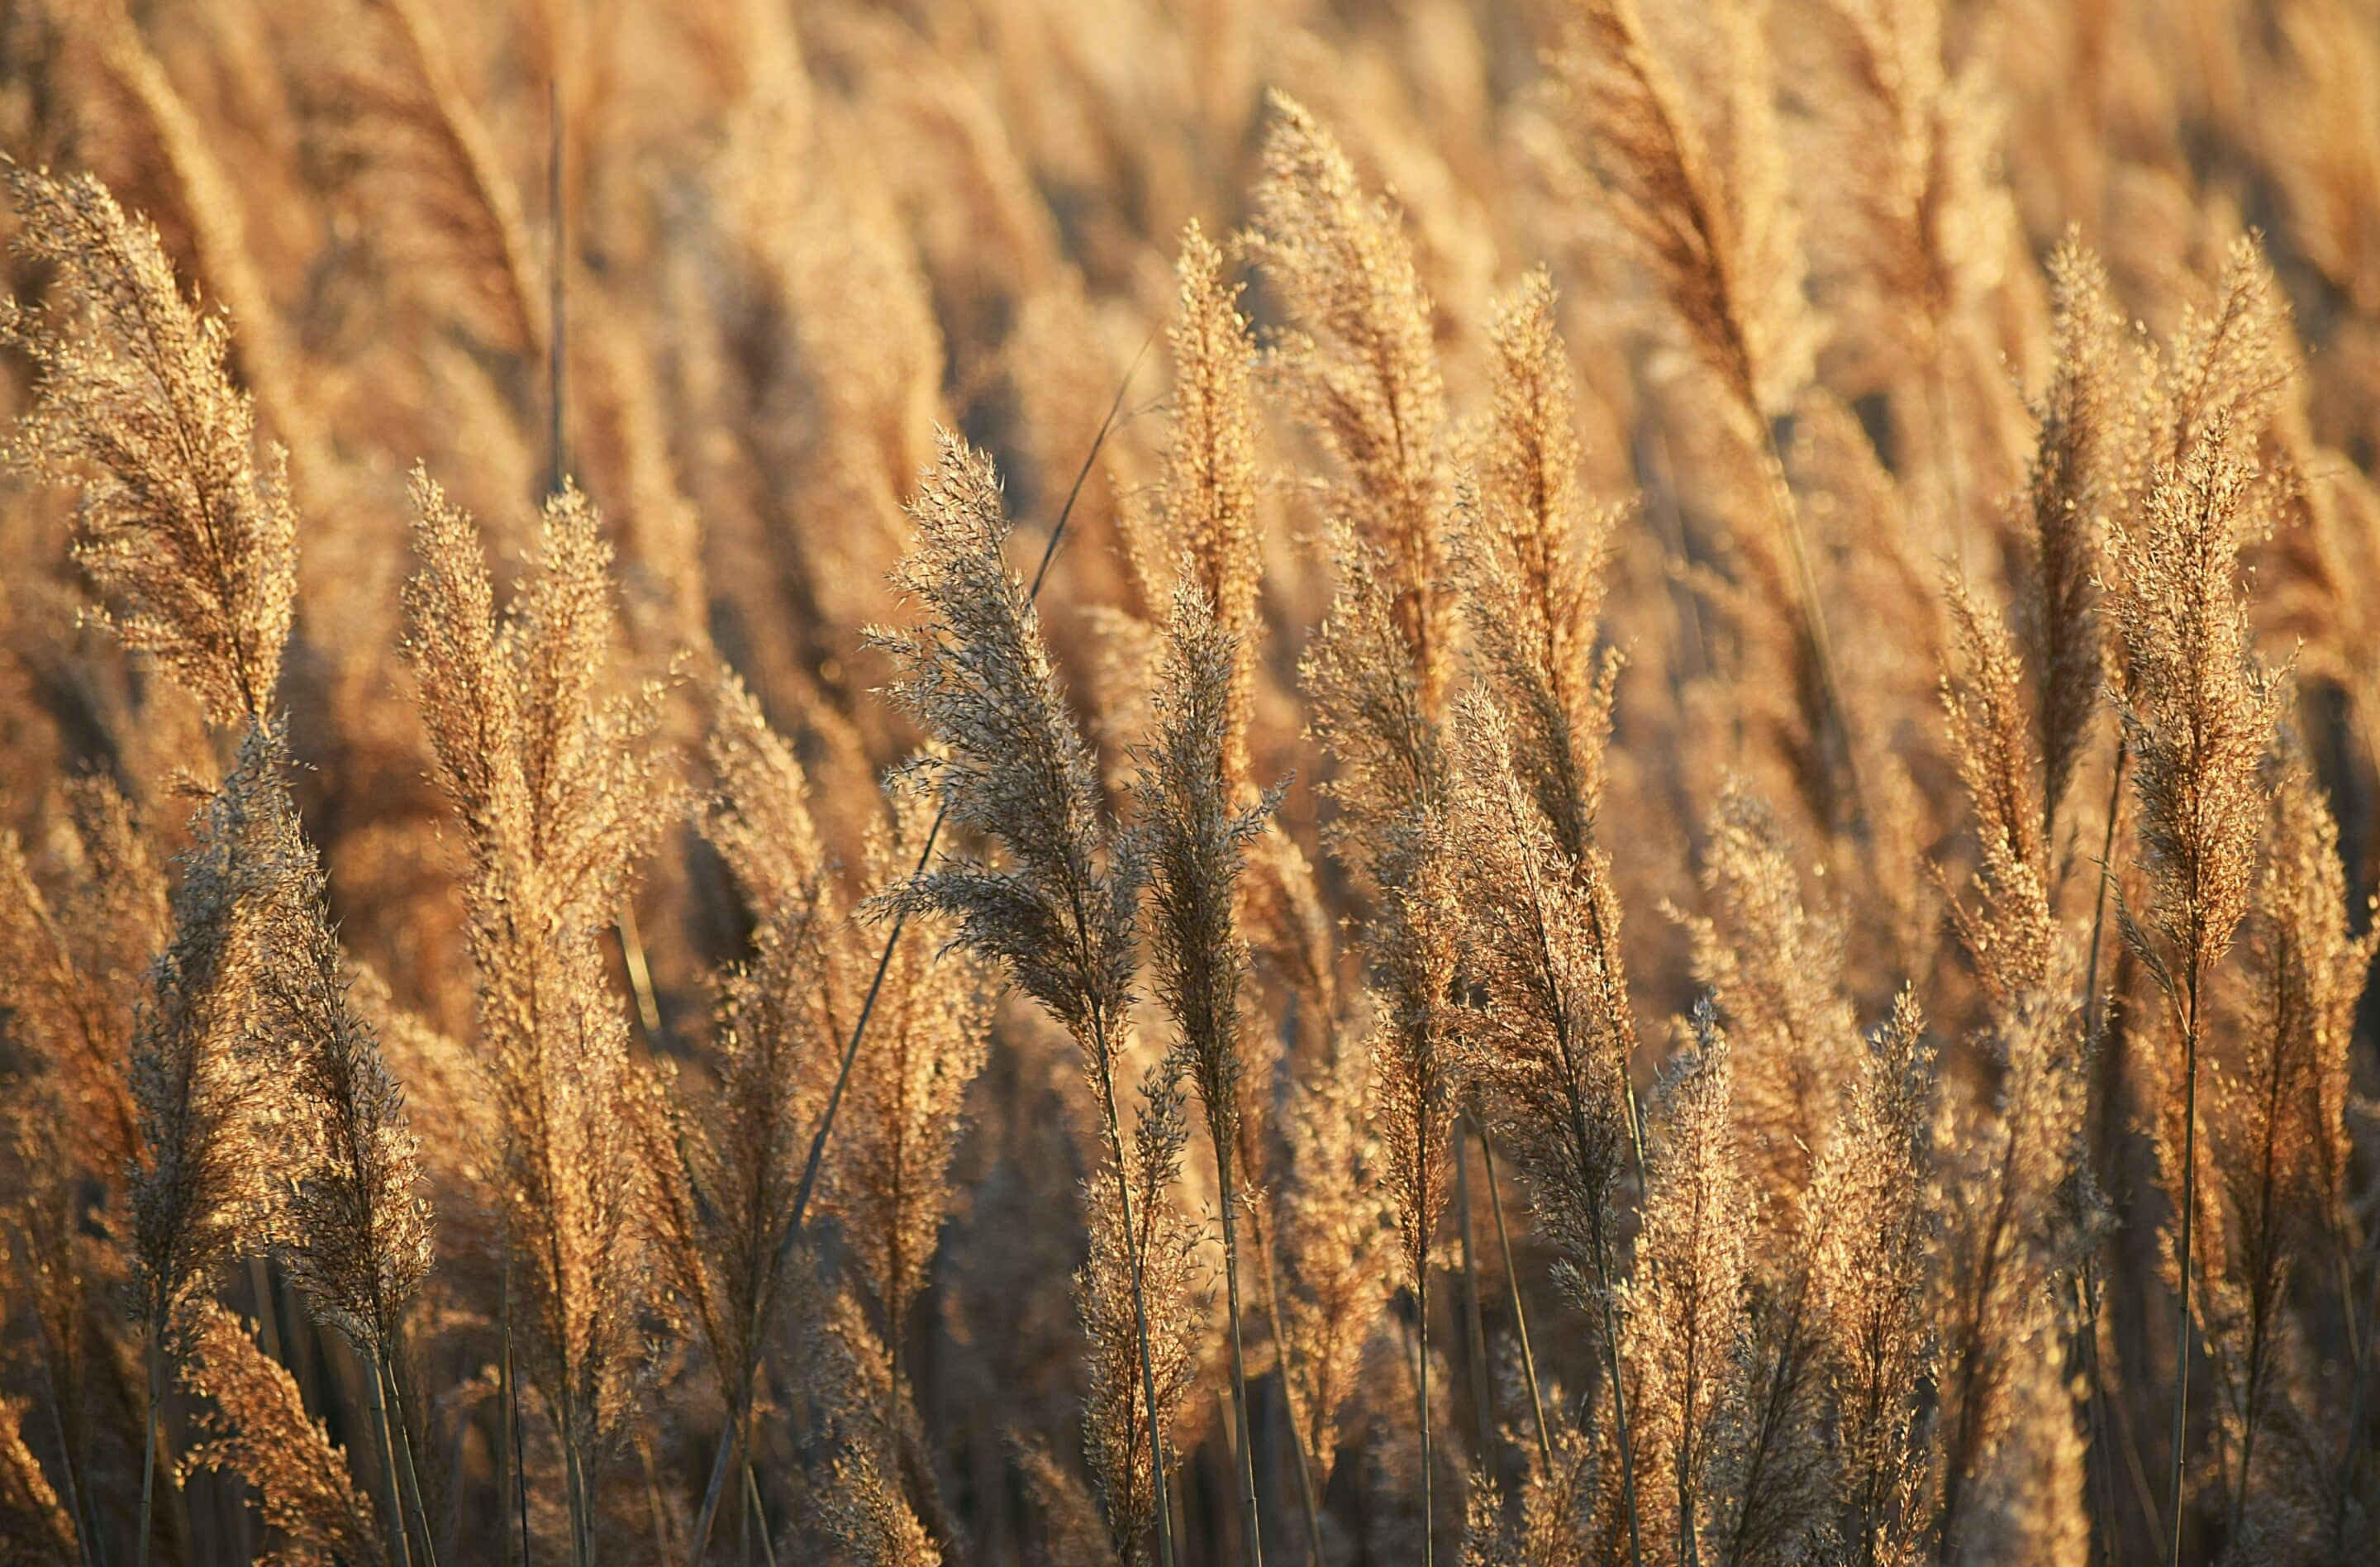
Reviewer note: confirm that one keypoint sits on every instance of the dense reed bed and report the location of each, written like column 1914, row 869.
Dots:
column 1577, row 782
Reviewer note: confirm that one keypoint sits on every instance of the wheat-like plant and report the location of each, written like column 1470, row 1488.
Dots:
column 513, row 1041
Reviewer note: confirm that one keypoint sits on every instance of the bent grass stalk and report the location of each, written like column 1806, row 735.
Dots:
column 715, row 1488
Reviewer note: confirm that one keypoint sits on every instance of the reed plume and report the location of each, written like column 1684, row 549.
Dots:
column 556, row 795
column 1198, row 843
column 2267, row 1133
column 1872, row 1273
column 259, row 1431
column 2084, row 430
column 1212, row 484
column 1548, row 1051
column 1701, row 202
column 1059, row 916
column 1362, row 372
column 186, row 527
column 2198, row 712
column 1684, row 1315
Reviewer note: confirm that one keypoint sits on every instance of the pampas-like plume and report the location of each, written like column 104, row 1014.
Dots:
column 1534, row 573
column 977, row 673
column 1871, row 1272
column 1709, row 222
column 2084, row 427
column 2270, row 1146
column 1707, row 218
column 2013, row 937
column 1380, row 723
column 1775, row 969
column 186, row 529
column 1363, row 371
column 556, row 795
column 357, row 1226
column 861, row 1512
column 396, row 110
column 1684, row 1318
column 1197, row 846
column 2198, row 712
column 1142, row 1250
column 891, row 1183
column 1210, row 473
column 1548, row 1053
column 725, row 1162
column 202, row 1175
column 1334, row 1265
column 2018, row 1212
column 260, row 1431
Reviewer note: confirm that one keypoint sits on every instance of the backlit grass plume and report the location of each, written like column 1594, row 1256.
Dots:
column 2198, row 711
column 555, row 794
column 187, row 529
column 1060, row 914
column 1198, row 843
column 259, row 1431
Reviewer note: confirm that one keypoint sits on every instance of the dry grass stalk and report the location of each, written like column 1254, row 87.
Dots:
column 1361, row 373
column 556, row 795
column 1873, row 1289
column 2198, row 712
column 1548, row 1053
column 1874, row 1301
column 977, row 673
column 1198, row 843
column 1708, row 219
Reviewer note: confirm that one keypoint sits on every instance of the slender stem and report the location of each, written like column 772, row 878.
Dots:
column 723, row 1463
column 1520, row 1315
column 1421, row 1399
column 2189, row 1221
column 1789, row 513
column 70, row 1470
column 575, row 1492
column 1618, row 1390
column 387, row 1368
column 1247, row 1463
column 396, row 1525
column 1310, row 1504
column 515, row 1461
column 1946, row 448
column 747, row 1487
column 653, row 1509
column 2099, row 902
column 752, row 1495
column 2358, row 1402
column 2086, row 1300
column 557, row 356
column 1483, row 1417
column 149, row 1456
